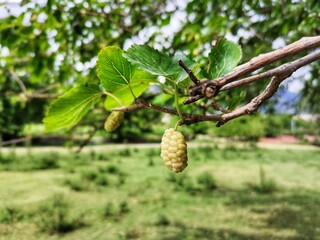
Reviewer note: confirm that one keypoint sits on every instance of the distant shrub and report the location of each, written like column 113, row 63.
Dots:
column 6, row 159
column 112, row 169
column 246, row 127
column 207, row 181
column 152, row 152
column 121, row 179
column 29, row 162
column 10, row 214
column 102, row 157
column 102, row 180
column 47, row 161
column 116, row 212
column 182, row 182
column 150, row 162
column 89, row 174
column 109, row 210
column 125, row 153
column 124, row 207
column 130, row 233
column 265, row 185
column 76, row 183
column 55, row 216
column 162, row 220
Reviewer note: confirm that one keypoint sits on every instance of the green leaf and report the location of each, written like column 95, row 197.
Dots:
column 157, row 63
column 139, row 83
column 114, row 71
column 68, row 109
column 151, row 60
column 224, row 56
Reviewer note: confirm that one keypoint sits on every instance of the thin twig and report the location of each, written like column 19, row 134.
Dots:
column 217, row 107
column 20, row 82
column 38, row 94
column 193, row 78
column 15, row 141
column 142, row 104
column 88, row 139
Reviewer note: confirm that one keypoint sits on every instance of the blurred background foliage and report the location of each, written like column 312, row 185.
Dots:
column 53, row 45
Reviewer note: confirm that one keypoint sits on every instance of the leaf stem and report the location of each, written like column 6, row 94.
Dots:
column 178, row 124
column 176, row 96
column 134, row 96
column 114, row 97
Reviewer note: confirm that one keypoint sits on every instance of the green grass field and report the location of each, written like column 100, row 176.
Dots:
column 129, row 194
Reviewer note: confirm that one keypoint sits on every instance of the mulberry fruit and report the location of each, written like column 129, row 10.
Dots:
column 113, row 121
column 174, row 150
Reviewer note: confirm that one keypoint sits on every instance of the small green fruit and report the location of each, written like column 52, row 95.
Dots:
column 113, row 121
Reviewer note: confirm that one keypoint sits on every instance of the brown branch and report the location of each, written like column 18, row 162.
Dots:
column 283, row 70
column 219, row 108
column 15, row 141
column 188, row 118
column 249, row 108
column 193, row 78
column 20, row 82
column 42, row 96
column 216, row 85
column 255, row 103
column 38, row 94
column 262, row 60
column 88, row 139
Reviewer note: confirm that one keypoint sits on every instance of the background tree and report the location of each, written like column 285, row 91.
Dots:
column 52, row 46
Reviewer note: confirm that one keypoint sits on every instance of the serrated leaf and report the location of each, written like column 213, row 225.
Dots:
column 114, row 71
column 68, row 109
column 157, row 63
column 151, row 60
column 139, row 83
column 224, row 56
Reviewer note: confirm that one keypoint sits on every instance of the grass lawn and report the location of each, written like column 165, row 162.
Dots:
column 129, row 194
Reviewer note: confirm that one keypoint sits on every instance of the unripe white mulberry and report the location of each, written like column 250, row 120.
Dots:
column 113, row 121
column 174, row 150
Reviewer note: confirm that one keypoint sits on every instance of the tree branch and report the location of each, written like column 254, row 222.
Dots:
column 283, row 70
column 188, row 118
column 20, row 82
column 210, row 88
column 38, row 94
column 221, row 83
column 262, row 60
column 193, row 78
column 255, row 103
column 88, row 139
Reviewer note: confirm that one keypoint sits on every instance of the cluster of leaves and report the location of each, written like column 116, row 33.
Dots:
column 124, row 76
